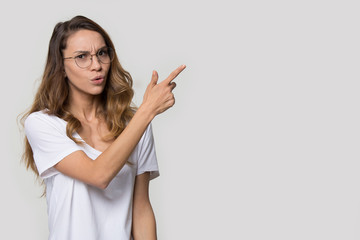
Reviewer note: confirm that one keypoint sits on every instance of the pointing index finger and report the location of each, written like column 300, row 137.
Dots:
column 174, row 74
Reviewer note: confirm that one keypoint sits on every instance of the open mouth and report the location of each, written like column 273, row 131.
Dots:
column 98, row 80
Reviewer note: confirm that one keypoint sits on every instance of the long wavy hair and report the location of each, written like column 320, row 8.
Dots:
column 53, row 93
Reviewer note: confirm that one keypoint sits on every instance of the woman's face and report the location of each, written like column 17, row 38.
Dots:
column 90, row 80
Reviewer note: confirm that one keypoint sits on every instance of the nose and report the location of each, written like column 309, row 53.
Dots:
column 95, row 63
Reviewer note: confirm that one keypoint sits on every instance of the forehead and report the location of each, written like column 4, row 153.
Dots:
column 84, row 40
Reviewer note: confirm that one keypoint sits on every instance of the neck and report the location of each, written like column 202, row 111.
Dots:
column 84, row 107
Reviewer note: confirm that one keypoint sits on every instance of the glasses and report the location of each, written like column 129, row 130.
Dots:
column 105, row 55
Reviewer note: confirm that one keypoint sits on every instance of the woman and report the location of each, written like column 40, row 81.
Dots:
column 94, row 152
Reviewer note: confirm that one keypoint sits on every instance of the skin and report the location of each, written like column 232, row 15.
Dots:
column 84, row 101
column 83, row 91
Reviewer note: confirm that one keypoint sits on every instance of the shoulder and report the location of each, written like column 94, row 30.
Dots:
column 146, row 142
column 41, row 119
column 147, row 136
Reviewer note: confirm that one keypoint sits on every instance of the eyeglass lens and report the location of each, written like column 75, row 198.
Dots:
column 104, row 56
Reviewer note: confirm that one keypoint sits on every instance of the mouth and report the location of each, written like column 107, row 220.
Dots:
column 98, row 80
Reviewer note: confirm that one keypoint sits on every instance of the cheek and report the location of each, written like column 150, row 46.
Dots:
column 72, row 73
column 106, row 70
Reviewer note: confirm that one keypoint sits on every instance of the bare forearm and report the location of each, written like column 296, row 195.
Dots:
column 99, row 172
column 144, row 224
column 110, row 162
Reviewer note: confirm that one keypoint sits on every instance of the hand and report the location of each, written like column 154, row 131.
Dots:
column 159, row 97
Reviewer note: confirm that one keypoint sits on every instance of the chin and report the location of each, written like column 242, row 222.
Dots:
column 95, row 93
column 96, row 90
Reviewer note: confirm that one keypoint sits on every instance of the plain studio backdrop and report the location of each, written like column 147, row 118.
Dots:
column 263, row 141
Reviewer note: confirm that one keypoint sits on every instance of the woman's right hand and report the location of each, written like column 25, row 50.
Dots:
column 100, row 172
column 159, row 97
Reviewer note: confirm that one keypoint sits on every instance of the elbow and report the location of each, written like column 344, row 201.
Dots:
column 102, row 185
column 101, row 182
column 102, row 178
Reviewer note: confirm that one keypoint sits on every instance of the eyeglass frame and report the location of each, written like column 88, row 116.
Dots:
column 91, row 57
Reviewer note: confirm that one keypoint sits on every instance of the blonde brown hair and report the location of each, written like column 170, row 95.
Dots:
column 53, row 92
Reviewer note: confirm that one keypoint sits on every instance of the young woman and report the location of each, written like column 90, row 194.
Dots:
column 93, row 150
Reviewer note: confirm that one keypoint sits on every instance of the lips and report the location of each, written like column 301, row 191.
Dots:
column 98, row 79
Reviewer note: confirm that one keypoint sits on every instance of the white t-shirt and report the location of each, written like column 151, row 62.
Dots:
column 77, row 210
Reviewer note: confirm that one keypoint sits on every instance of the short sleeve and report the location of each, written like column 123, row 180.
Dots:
column 49, row 142
column 147, row 161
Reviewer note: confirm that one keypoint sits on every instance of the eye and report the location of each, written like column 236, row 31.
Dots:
column 82, row 56
column 103, row 52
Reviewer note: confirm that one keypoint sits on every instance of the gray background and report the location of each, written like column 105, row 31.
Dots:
column 263, row 142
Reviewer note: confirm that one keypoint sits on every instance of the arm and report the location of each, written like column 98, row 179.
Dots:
column 144, row 225
column 99, row 172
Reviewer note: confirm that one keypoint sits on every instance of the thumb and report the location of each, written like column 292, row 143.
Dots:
column 154, row 78
column 153, row 82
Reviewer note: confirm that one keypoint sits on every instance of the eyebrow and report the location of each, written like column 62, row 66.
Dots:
column 82, row 51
